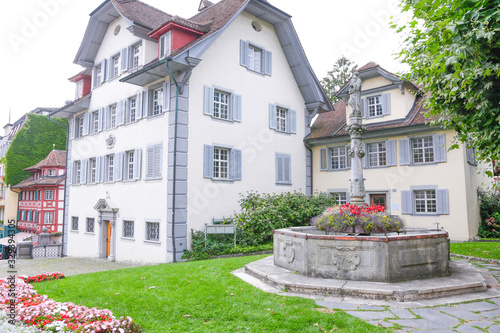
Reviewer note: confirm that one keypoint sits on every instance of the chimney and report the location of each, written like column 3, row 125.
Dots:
column 7, row 128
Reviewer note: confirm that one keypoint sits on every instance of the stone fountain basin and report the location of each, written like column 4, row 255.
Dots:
column 414, row 254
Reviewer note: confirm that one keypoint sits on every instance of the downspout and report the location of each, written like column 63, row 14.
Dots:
column 65, row 181
column 174, row 173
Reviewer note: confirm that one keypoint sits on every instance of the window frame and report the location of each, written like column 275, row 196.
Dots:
column 429, row 203
column 90, row 227
column 124, row 229
column 48, row 195
column 77, row 172
column 92, row 170
column 95, row 122
column 112, row 115
column 132, row 105
column 163, row 50
column 377, row 105
column 99, row 75
column 377, row 153
column 409, row 201
column 130, row 165
column 147, row 234
column 135, row 55
column 221, row 163
column 234, row 165
column 423, row 148
column 157, row 107
column 115, row 66
column 50, row 219
column 255, row 56
column 74, row 223
column 109, row 168
column 340, row 157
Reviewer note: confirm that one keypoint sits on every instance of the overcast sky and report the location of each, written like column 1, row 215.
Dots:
column 40, row 39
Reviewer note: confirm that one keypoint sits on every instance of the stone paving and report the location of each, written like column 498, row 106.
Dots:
column 481, row 315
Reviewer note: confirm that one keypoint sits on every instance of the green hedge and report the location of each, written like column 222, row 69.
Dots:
column 31, row 144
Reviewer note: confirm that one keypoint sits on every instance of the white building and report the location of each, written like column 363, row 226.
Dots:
column 242, row 93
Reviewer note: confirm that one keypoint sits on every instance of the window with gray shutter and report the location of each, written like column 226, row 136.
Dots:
column 222, row 163
column 154, row 161
column 283, row 168
column 282, row 119
column 255, row 58
column 222, row 104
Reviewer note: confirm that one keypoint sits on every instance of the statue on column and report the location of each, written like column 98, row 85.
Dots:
column 356, row 153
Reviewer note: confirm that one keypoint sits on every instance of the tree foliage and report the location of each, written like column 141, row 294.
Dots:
column 338, row 77
column 31, row 144
column 453, row 49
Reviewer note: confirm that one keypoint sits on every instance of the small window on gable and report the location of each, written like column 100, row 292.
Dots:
column 165, row 44
column 255, row 58
column 52, row 172
column 222, row 104
column 377, row 105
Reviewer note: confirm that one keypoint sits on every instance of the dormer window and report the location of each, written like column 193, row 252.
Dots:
column 166, row 44
column 52, row 172
column 79, row 89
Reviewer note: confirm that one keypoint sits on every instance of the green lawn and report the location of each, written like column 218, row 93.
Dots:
column 199, row 296
column 490, row 250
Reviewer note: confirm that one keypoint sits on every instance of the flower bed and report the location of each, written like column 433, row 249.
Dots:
column 351, row 218
column 44, row 313
column 42, row 277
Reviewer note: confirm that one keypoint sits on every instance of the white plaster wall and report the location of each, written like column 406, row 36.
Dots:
column 139, row 201
column 220, row 66
column 461, row 223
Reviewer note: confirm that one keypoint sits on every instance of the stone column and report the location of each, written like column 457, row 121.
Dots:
column 99, row 236
column 356, row 153
column 112, row 245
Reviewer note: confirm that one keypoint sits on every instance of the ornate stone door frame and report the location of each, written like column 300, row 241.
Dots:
column 107, row 212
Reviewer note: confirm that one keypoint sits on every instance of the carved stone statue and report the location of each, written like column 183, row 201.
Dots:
column 355, row 94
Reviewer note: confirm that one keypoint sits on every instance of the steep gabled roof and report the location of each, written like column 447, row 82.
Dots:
column 56, row 158
column 217, row 18
column 44, row 181
column 142, row 18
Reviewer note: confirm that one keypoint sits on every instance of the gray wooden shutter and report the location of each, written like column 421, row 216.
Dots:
column 471, row 156
column 158, row 158
column 101, row 165
column 404, row 152
column 439, row 141
column 237, row 162
column 236, row 107
column 365, row 161
column 273, row 123
column 69, row 176
column 145, row 103
column 292, row 121
column 364, row 107
column 94, row 77
column 149, row 161
column 83, row 171
column 243, row 53
column 406, row 202
column 268, row 63
column 86, row 123
column 443, row 206
column 138, row 106
column 386, row 104
column 101, row 122
column 118, row 167
column 208, row 105
column 72, row 125
column 391, row 152
column 279, row 168
column 104, row 70
column 208, row 161
column 107, row 118
column 124, row 59
column 137, row 163
column 120, row 112
column 323, row 165
column 166, row 96
column 287, row 169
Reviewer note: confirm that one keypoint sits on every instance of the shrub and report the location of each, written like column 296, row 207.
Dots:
column 489, row 206
column 262, row 213
column 352, row 218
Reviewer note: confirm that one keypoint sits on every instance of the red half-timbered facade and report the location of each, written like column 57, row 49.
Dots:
column 41, row 197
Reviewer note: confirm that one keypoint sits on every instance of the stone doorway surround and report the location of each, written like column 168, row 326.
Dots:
column 107, row 212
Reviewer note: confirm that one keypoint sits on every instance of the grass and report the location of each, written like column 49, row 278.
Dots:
column 198, row 296
column 489, row 250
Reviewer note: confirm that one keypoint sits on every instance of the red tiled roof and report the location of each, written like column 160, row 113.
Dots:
column 44, row 181
column 333, row 123
column 56, row 158
column 142, row 13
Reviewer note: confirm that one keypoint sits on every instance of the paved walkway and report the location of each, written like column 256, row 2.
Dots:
column 474, row 312
column 481, row 315
column 66, row 266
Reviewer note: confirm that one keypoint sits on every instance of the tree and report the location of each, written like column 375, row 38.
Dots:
column 338, row 77
column 453, row 49
column 31, row 144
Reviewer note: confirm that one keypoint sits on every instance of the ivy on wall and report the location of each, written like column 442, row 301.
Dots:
column 31, row 144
